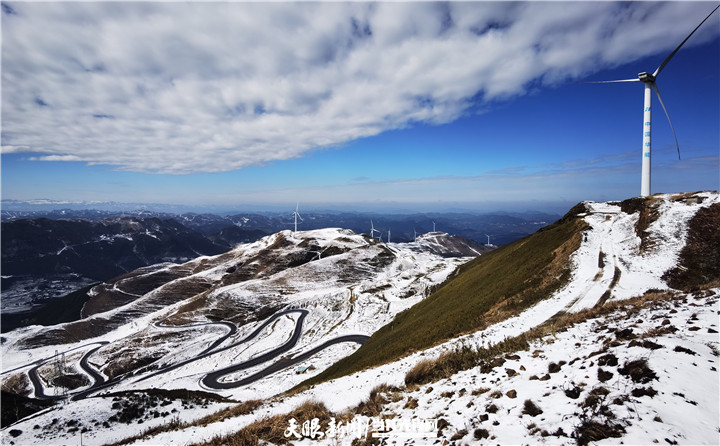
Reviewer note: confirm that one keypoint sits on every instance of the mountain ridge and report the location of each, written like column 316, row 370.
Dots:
column 62, row 251
column 555, row 351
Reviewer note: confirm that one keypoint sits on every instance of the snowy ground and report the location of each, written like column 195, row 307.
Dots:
column 344, row 294
column 677, row 341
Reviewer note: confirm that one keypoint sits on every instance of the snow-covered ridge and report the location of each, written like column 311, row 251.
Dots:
column 612, row 264
column 331, row 284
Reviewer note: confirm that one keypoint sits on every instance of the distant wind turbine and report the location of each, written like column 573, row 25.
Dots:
column 488, row 238
column 373, row 230
column 649, row 81
column 388, row 235
column 433, row 226
column 296, row 214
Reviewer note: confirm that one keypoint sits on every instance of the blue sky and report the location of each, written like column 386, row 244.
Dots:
column 417, row 106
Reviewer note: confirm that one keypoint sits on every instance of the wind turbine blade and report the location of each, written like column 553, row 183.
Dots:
column 612, row 82
column 657, row 92
column 665, row 62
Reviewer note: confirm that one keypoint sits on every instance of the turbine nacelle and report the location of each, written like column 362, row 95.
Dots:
column 646, row 77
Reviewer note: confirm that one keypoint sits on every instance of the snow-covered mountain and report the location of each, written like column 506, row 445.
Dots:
column 621, row 345
column 176, row 323
column 43, row 259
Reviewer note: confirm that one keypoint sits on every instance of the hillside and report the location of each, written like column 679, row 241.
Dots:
column 49, row 254
column 601, row 327
column 227, row 321
column 44, row 259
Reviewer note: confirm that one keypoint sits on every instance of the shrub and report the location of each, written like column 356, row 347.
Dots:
column 479, row 434
column 421, row 372
column 373, row 406
column 604, row 375
column 554, row 368
column 593, row 430
column 643, row 391
column 530, row 408
column 638, row 371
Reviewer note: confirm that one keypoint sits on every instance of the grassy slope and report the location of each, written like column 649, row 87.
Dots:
column 700, row 258
column 490, row 288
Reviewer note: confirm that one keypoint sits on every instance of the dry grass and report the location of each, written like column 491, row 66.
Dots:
column 18, row 384
column 464, row 358
column 532, row 409
column 272, row 429
column 244, row 408
column 374, row 404
column 421, row 372
column 646, row 207
column 699, row 266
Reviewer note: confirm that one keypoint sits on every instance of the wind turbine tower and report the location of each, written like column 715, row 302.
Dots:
column 488, row 239
column 296, row 214
column 649, row 81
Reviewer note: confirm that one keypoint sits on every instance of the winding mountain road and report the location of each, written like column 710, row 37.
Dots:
column 211, row 380
column 97, row 378
column 207, row 352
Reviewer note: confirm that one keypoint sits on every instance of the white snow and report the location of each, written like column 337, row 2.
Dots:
column 684, row 410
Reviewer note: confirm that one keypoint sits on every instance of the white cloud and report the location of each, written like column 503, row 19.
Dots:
column 207, row 87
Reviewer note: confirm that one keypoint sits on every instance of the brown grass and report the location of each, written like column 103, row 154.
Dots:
column 464, row 358
column 272, row 429
column 699, row 265
column 18, row 384
column 374, row 404
column 532, row 409
column 646, row 207
column 244, row 408
column 421, row 372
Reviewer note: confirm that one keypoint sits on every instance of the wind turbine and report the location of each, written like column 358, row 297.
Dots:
column 296, row 214
column 488, row 239
column 373, row 230
column 649, row 81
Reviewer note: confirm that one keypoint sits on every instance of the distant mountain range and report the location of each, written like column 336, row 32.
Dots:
column 501, row 227
column 53, row 252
